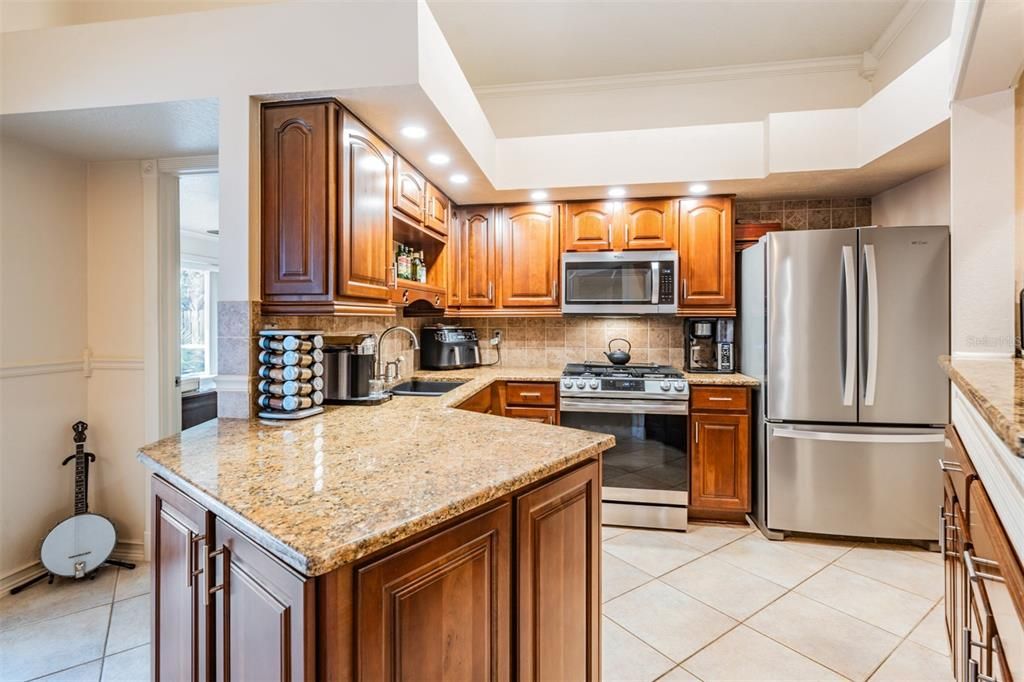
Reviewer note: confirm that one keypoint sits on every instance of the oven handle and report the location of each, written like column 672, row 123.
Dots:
column 625, row 406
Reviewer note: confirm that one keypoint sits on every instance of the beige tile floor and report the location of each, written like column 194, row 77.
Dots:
column 715, row 603
column 75, row 631
column 723, row 603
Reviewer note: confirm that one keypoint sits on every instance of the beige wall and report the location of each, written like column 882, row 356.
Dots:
column 23, row 15
column 982, row 225
column 923, row 200
column 42, row 334
column 116, row 395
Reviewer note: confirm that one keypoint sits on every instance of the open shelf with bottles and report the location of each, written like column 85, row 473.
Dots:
column 416, row 250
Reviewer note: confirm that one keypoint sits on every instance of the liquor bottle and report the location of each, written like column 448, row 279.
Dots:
column 423, row 269
column 288, row 373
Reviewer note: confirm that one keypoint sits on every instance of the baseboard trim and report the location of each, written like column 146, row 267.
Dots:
column 20, row 576
column 132, row 551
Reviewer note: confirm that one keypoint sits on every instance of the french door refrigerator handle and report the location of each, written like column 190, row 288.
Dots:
column 850, row 313
column 852, row 437
column 871, row 270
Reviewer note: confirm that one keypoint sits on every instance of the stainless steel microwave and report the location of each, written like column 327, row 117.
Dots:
column 620, row 282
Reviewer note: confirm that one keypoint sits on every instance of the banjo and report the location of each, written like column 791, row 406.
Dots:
column 79, row 544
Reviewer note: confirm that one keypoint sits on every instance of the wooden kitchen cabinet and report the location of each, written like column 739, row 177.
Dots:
column 439, row 610
column 264, row 613
column 477, row 266
column 299, row 147
column 365, row 244
column 438, row 210
column 180, row 614
column 410, row 190
column 530, row 255
column 984, row 577
column 558, row 552
column 706, row 260
column 588, row 226
column 720, row 478
column 326, row 212
column 222, row 607
column 648, row 224
column 621, row 225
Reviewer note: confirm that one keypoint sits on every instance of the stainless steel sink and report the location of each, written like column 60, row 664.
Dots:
column 425, row 387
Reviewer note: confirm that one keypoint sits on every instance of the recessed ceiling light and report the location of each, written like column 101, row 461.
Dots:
column 538, row 195
column 617, row 192
column 459, row 179
column 439, row 159
column 698, row 188
column 414, row 132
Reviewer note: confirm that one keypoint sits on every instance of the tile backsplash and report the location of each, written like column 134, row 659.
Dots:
column 552, row 342
column 526, row 341
column 807, row 214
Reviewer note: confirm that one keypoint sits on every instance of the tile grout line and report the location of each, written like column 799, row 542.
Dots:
column 110, row 620
column 904, row 640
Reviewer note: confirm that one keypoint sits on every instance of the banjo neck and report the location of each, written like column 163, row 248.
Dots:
column 81, row 470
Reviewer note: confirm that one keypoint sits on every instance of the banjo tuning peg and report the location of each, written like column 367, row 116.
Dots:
column 79, row 428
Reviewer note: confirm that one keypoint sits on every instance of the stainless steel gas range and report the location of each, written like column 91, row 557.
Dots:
column 646, row 476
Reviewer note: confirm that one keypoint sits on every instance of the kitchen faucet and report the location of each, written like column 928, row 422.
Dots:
column 383, row 369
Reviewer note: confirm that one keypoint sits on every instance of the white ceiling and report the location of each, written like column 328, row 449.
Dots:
column 519, row 41
column 143, row 131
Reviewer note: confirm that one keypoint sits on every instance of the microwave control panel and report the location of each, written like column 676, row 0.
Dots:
column 666, row 284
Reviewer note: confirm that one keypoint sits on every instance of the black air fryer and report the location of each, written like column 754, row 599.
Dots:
column 448, row 347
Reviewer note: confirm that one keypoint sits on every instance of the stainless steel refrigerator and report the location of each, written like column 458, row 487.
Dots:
column 844, row 329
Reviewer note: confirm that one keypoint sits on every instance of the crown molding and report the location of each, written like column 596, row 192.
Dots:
column 895, row 27
column 711, row 74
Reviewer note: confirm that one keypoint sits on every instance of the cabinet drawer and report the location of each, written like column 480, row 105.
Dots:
column 531, row 394
column 719, row 398
column 544, row 415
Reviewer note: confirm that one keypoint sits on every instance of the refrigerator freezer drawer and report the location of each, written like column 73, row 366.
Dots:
column 857, row 481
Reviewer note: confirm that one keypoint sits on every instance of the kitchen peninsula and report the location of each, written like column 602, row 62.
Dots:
column 368, row 541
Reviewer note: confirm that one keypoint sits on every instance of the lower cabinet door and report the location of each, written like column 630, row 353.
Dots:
column 179, row 612
column 439, row 609
column 558, row 547
column 720, row 468
column 263, row 613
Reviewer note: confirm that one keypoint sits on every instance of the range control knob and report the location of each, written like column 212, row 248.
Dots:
column 665, row 386
column 580, row 383
column 679, row 386
column 566, row 383
column 594, row 384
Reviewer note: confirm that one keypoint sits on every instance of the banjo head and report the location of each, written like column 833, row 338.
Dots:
column 86, row 539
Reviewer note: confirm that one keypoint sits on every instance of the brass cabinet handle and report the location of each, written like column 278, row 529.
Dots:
column 719, row 399
column 393, row 284
column 490, row 291
column 609, row 235
column 684, row 288
column 529, row 395
column 945, row 465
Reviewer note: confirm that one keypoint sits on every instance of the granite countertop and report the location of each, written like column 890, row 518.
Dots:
column 996, row 388
column 325, row 491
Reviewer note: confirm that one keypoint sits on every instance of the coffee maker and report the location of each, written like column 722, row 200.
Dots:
column 710, row 345
column 348, row 367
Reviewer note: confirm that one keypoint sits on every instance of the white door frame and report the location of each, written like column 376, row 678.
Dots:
column 161, row 256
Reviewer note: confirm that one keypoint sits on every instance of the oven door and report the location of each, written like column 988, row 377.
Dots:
column 646, row 475
column 616, row 282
